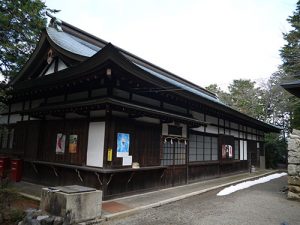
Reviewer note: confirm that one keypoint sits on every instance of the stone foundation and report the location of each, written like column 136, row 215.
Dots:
column 294, row 166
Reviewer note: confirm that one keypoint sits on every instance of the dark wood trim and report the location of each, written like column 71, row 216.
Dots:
column 96, row 169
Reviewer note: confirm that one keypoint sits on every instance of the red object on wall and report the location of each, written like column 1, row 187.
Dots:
column 16, row 170
column 4, row 165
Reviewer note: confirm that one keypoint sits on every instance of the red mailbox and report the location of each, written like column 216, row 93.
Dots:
column 16, row 170
column 4, row 165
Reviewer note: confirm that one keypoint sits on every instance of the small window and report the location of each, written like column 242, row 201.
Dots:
column 203, row 148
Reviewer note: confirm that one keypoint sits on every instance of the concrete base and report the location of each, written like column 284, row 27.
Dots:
column 79, row 206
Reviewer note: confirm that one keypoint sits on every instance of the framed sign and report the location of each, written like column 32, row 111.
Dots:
column 73, row 138
column 123, row 141
column 60, row 143
column 226, row 152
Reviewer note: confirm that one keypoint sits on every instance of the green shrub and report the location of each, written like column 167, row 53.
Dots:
column 275, row 149
column 7, row 196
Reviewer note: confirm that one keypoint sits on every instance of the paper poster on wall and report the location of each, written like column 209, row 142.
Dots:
column 73, row 138
column 60, row 143
column 226, row 152
column 109, row 155
column 230, row 151
column 127, row 160
column 123, row 142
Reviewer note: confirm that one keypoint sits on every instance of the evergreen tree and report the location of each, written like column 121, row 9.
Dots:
column 21, row 22
column 290, row 53
column 243, row 96
column 246, row 98
column 222, row 95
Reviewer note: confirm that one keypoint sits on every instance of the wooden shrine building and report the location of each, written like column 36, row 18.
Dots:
column 86, row 112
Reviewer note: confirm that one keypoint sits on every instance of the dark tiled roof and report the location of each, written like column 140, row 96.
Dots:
column 81, row 47
column 72, row 43
column 293, row 87
column 83, row 44
column 291, row 83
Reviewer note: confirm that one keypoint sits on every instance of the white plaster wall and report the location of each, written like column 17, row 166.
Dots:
column 241, row 150
column 95, row 147
column 245, row 150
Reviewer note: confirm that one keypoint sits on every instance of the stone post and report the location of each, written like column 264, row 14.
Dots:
column 294, row 165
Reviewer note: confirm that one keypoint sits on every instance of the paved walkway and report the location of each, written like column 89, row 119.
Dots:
column 128, row 205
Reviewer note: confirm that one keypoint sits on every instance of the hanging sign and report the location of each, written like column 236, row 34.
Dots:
column 73, row 138
column 127, row 161
column 123, row 142
column 226, row 151
column 109, row 154
column 60, row 143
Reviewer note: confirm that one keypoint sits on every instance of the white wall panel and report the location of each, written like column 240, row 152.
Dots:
column 241, row 150
column 245, row 150
column 95, row 147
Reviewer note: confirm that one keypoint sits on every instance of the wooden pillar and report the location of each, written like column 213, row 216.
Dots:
column 187, row 160
column 109, row 132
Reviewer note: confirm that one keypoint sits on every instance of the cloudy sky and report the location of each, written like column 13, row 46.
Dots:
column 203, row 41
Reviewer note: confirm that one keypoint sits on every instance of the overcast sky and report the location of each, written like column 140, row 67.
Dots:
column 203, row 41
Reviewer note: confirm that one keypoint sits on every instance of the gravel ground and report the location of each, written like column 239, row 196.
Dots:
column 263, row 204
